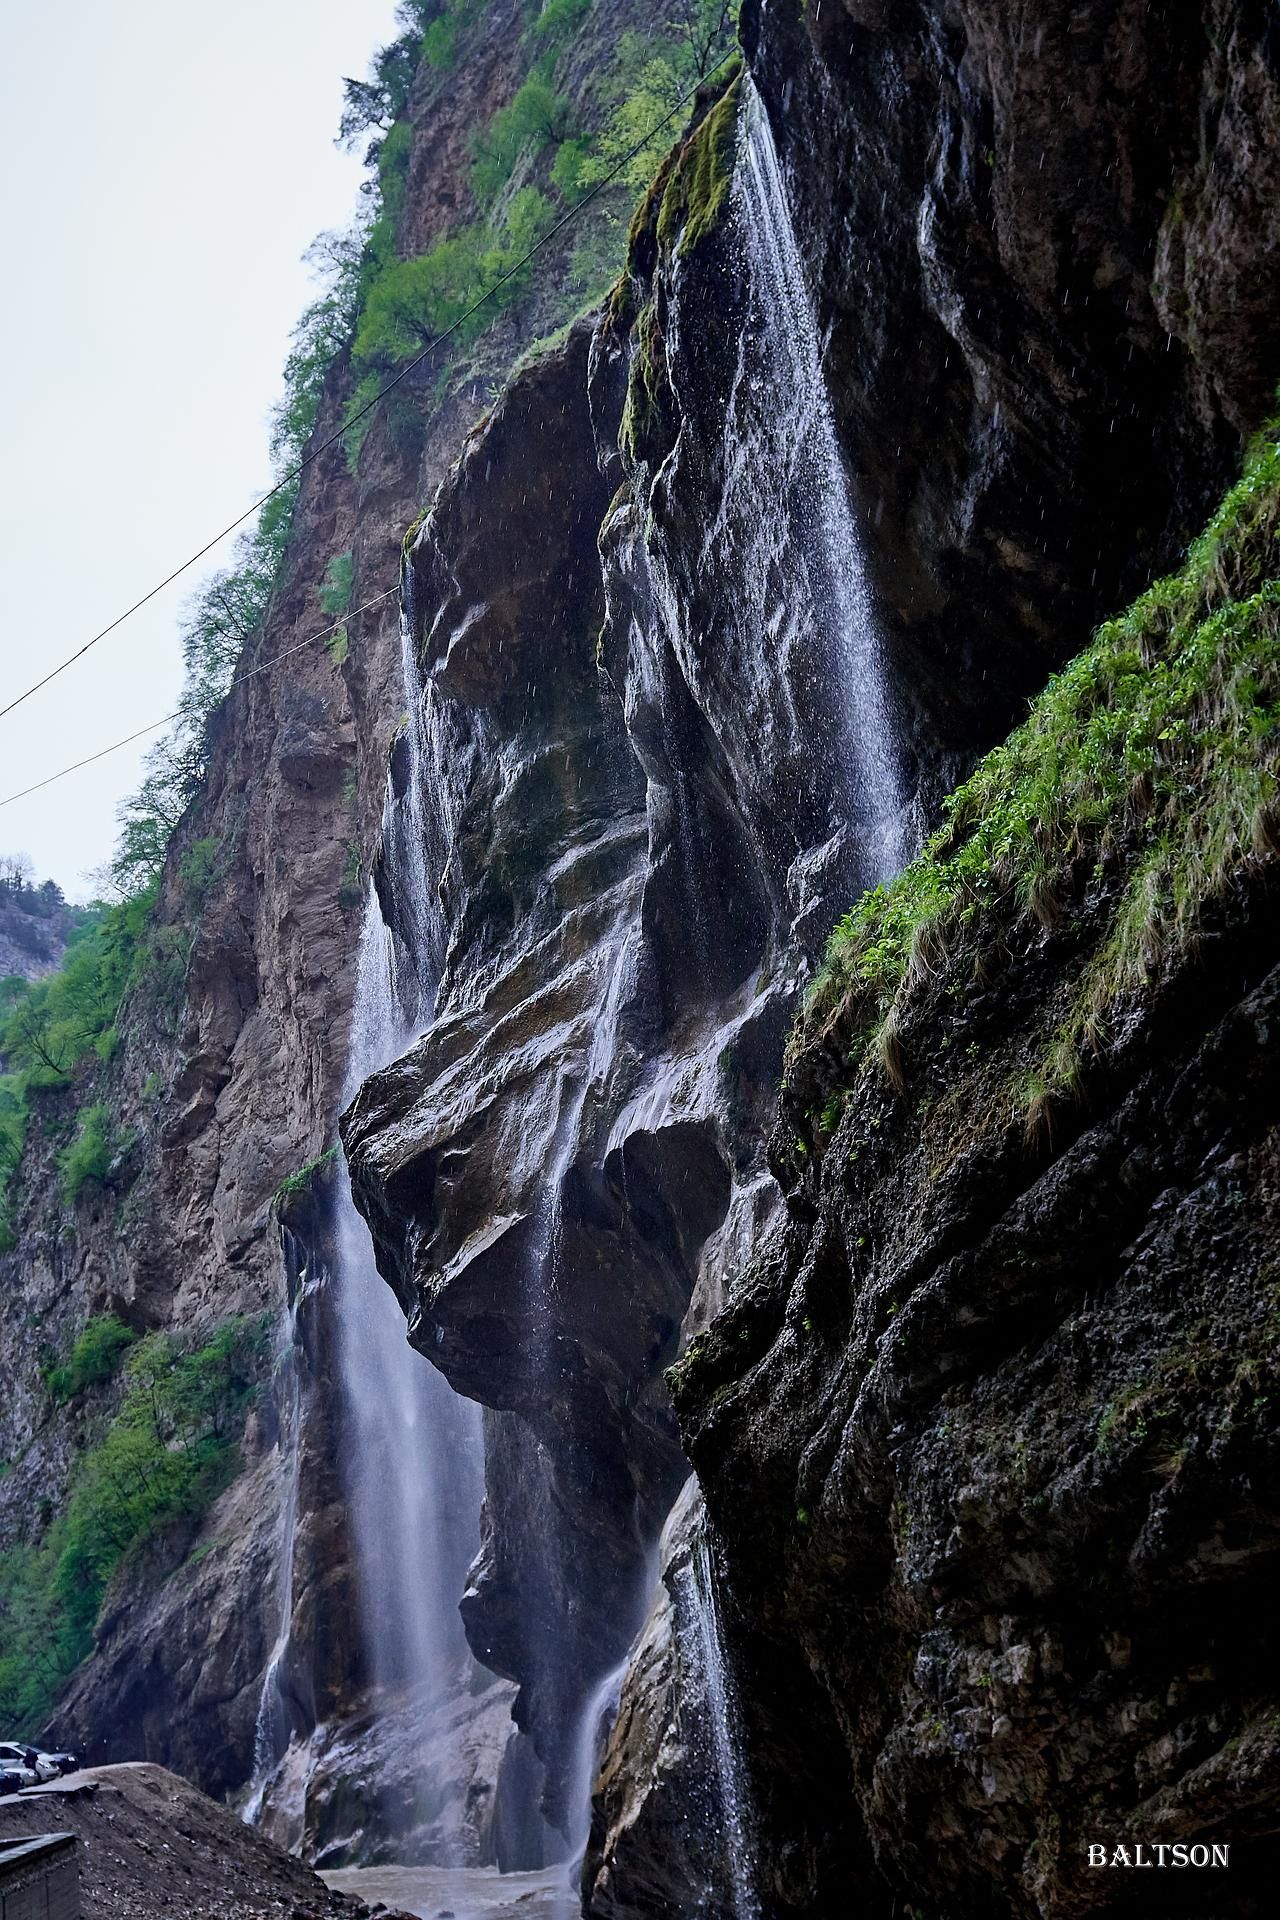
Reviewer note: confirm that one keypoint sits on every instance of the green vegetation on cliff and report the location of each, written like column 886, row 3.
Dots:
column 49, row 1027
column 1147, row 770
column 535, row 156
column 161, row 1460
column 682, row 206
column 94, row 1359
column 700, row 177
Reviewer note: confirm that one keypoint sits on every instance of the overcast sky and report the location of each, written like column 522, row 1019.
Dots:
column 164, row 168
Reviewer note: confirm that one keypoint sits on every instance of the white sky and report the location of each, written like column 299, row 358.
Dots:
column 163, row 168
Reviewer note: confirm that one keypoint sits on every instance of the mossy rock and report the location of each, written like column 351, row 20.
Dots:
column 1144, row 779
column 697, row 186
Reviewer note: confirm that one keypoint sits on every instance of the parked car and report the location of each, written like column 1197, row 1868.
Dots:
column 13, row 1779
column 64, row 1762
column 28, row 1760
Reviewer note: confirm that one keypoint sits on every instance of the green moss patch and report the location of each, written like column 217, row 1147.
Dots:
column 1148, row 766
column 94, row 1359
column 698, row 183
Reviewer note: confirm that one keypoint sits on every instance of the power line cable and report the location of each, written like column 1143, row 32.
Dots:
column 315, row 453
column 164, row 720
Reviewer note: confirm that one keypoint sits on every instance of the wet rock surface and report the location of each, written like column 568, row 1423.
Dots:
column 231, row 1068
column 1005, row 1404
column 1041, row 250
column 638, row 863
column 1039, row 236
column 408, row 1781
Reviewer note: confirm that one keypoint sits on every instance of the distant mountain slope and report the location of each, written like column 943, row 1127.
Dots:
column 35, row 923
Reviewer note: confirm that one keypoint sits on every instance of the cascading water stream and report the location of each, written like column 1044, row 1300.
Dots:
column 273, row 1727
column 413, row 1449
column 590, row 1737
column 790, row 576
column 784, row 551
column 699, row 1623
column 803, row 442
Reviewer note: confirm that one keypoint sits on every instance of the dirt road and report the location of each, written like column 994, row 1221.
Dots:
column 154, row 1848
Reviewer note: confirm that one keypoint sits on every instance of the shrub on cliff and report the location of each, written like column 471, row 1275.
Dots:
column 94, row 1359
column 536, row 117
column 53, row 1024
column 412, row 301
column 650, row 74
column 86, row 1161
column 49, row 1027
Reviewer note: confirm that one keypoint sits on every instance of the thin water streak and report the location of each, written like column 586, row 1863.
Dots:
column 797, row 452
column 699, row 1609
column 273, row 1725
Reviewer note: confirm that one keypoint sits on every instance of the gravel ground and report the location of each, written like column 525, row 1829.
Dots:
column 478, row 1893
column 154, row 1848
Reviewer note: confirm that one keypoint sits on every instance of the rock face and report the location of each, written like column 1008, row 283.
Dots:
column 230, row 1072
column 651, row 805
column 1040, row 236
column 940, row 331
column 991, row 1444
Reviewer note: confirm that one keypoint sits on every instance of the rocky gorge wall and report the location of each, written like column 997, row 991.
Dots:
column 1039, row 373
column 229, row 1074
column 913, row 375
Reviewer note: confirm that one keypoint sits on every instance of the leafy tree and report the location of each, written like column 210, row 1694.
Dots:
column 373, row 105
column 440, row 39
column 536, row 117
column 651, row 73
column 706, row 31
column 48, row 1026
column 413, row 301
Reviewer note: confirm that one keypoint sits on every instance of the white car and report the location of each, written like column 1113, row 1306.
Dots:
column 35, row 1767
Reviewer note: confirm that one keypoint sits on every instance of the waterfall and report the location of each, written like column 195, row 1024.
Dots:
column 797, row 752
column 590, row 1735
column 699, row 1622
column 786, row 511
column 273, row 1727
column 412, row 1449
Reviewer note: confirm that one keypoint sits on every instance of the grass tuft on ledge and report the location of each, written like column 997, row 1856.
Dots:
column 1151, row 762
